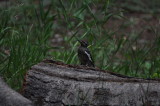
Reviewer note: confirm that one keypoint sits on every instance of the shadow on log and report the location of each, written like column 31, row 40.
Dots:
column 51, row 83
column 9, row 97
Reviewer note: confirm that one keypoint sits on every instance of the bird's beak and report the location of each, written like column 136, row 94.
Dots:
column 79, row 41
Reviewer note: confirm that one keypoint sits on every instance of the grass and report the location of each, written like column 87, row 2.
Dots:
column 24, row 36
column 26, row 30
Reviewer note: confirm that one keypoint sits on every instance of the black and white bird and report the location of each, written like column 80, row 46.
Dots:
column 84, row 54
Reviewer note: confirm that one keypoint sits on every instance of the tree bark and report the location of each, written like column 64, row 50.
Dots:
column 51, row 83
column 9, row 97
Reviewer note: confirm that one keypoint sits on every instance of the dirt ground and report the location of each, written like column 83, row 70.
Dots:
column 138, row 23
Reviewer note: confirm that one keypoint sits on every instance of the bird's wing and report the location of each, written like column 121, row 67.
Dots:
column 88, row 55
column 85, row 56
column 87, row 52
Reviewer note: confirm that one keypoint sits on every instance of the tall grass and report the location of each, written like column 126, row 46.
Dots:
column 26, row 30
column 111, row 51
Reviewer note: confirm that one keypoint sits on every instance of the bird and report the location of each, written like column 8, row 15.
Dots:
column 84, row 54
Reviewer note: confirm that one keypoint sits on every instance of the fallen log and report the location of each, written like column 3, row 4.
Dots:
column 52, row 83
column 9, row 97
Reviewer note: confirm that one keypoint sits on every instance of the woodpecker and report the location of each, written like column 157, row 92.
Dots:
column 84, row 54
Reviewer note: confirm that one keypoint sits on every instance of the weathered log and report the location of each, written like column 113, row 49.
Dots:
column 9, row 97
column 51, row 83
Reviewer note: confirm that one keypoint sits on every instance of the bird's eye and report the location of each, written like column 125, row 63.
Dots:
column 85, row 43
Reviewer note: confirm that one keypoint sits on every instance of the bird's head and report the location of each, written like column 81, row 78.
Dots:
column 83, row 43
